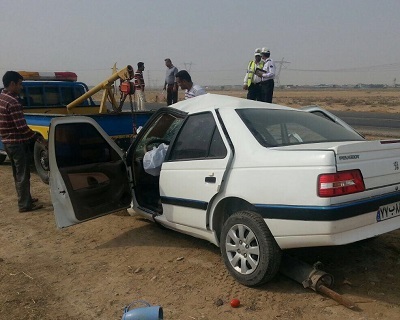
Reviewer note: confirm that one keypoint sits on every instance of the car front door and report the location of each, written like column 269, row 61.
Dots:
column 194, row 170
column 88, row 176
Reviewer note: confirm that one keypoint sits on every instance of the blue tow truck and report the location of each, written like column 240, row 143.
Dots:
column 59, row 94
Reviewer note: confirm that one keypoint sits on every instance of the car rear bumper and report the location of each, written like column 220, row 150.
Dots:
column 298, row 234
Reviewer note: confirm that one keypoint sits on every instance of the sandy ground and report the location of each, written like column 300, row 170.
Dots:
column 92, row 270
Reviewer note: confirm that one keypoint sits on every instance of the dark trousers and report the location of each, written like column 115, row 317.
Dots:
column 19, row 155
column 254, row 92
column 267, row 90
column 172, row 96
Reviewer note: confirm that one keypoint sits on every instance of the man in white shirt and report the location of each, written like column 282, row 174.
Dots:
column 170, row 84
column 184, row 80
column 267, row 76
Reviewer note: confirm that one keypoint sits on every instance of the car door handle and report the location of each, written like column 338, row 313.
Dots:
column 92, row 182
column 210, row 179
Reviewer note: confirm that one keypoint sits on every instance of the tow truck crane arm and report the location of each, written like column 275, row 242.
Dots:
column 124, row 74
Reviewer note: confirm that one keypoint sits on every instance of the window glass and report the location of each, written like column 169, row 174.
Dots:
column 162, row 131
column 68, row 95
column 217, row 148
column 285, row 127
column 79, row 144
column 52, row 96
column 36, row 96
column 198, row 139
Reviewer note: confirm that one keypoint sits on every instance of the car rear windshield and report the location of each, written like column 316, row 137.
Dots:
column 274, row 128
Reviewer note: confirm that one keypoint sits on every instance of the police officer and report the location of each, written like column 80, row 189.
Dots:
column 251, row 81
column 267, row 75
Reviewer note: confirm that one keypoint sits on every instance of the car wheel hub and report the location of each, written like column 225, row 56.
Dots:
column 242, row 249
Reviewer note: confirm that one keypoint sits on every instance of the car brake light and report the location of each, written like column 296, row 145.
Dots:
column 340, row 183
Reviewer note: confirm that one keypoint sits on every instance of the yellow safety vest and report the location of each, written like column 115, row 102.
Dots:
column 251, row 69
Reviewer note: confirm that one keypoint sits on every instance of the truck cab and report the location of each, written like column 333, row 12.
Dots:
column 50, row 92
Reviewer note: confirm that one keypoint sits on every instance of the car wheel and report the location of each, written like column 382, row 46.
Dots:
column 2, row 158
column 41, row 159
column 249, row 250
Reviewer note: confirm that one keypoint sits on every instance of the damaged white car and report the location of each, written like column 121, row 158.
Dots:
column 252, row 178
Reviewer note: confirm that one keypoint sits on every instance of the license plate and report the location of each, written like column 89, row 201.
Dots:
column 388, row 211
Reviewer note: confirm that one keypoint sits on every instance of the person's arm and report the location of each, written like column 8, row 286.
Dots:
column 268, row 71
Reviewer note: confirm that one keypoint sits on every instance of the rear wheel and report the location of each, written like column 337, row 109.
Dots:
column 41, row 159
column 249, row 250
column 2, row 158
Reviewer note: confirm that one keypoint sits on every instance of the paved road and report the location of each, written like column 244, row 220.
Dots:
column 370, row 122
column 385, row 124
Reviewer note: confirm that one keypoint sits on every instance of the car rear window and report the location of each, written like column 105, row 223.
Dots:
column 274, row 128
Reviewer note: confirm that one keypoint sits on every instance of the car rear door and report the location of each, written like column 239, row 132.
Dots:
column 195, row 169
column 88, row 176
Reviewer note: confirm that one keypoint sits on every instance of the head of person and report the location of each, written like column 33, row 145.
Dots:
column 265, row 53
column 257, row 55
column 184, row 80
column 12, row 81
column 168, row 63
column 140, row 66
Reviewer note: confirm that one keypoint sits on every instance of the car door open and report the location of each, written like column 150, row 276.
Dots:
column 88, row 176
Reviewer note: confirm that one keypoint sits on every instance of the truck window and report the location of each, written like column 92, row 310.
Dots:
column 52, row 96
column 36, row 96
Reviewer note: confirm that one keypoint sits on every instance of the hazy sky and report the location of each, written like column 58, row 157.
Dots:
column 325, row 41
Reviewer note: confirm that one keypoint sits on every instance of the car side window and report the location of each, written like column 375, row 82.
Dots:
column 198, row 139
column 78, row 144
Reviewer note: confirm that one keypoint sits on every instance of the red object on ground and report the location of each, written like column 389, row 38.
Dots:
column 235, row 303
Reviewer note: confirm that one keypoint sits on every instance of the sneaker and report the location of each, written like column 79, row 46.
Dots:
column 33, row 200
column 33, row 207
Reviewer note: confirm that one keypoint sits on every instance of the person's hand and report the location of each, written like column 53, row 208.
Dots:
column 245, row 87
column 259, row 73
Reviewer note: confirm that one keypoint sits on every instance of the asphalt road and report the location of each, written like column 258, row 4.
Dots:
column 387, row 124
column 381, row 124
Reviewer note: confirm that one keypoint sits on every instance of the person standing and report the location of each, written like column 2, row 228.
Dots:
column 139, row 87
column 184, row 80
column 17, row 138
column 170, row 84
column 267, row 75
column 251, row 81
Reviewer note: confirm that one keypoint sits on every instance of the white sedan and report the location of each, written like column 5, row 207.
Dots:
column 252, row 178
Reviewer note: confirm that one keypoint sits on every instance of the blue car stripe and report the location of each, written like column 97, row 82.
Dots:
column 302, row 213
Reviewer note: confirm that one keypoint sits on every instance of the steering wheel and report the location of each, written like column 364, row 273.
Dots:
column 153, row 141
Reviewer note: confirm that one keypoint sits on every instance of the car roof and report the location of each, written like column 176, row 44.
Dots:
column 210, row 101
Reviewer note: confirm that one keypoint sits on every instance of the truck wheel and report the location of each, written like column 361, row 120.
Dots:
column 41, row 160
column 249, row 250
column 2, row 158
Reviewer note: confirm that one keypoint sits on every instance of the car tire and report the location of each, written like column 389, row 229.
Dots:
column 249, row 250
column 41, row 159
column 2, row 158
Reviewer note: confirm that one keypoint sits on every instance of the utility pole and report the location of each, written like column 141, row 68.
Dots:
column 188, row 66
column 281, row 64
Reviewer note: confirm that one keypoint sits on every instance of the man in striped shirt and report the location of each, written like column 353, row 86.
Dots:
column 184, row 80
column 17, row 138
column 139, row 87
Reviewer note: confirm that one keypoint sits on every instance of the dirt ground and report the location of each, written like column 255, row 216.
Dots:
column 92, row 270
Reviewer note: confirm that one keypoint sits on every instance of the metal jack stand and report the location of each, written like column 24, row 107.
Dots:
column 314, row 278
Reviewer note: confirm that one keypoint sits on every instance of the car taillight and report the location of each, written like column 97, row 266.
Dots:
column 340, row 183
